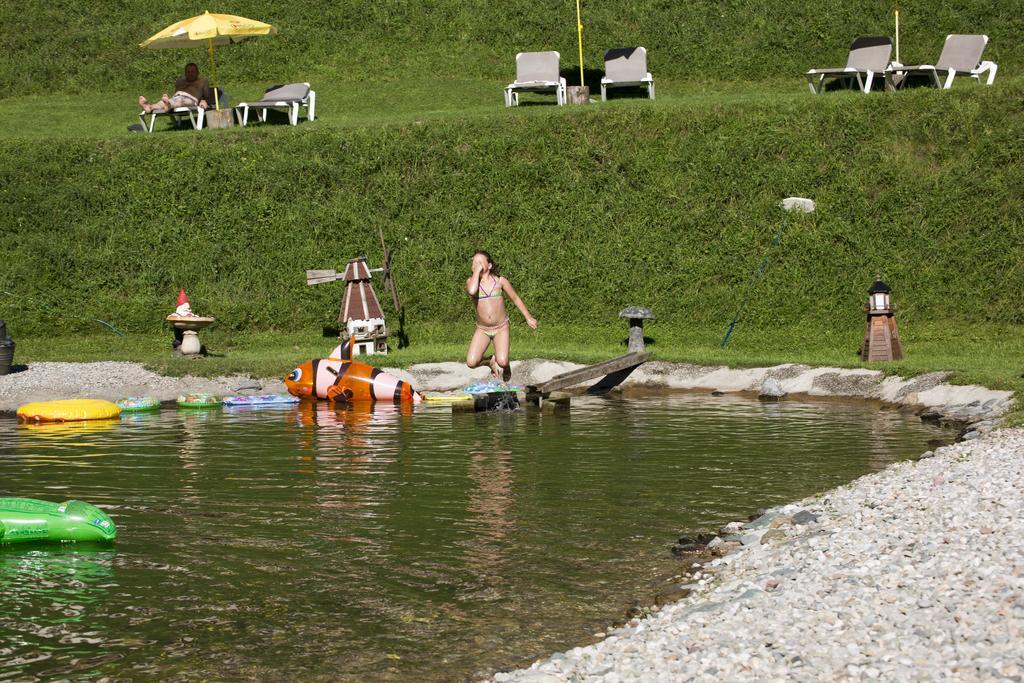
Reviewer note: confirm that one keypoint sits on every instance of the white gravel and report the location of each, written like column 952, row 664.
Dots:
column 913, row 573
column 113, row 380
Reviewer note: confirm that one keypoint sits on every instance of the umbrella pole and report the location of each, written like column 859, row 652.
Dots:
column 579, row 33
column 213, row 74
column 897, row 13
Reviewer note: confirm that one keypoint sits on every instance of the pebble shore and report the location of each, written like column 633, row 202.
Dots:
column 912, row 573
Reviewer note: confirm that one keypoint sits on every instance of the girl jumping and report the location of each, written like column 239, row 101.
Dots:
column 488, row 290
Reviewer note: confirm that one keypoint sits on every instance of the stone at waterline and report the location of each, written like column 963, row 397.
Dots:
column 731, row 528
column 804, row 517
column 683, row 548
column 672, row 595
column 700, row 539
column 761, row 521
column 771, row 390
column 752, row 538
column 773, row 535
column 726, row 547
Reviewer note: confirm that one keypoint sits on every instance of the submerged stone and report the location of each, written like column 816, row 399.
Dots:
column 804, row 517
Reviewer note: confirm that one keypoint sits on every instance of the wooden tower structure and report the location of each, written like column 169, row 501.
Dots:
column 881, row 338
column 361, row 315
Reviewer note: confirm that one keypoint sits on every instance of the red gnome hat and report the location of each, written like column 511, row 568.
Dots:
column 182, row 299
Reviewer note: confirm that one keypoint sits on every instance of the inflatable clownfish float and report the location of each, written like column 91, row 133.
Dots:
column 339, row 378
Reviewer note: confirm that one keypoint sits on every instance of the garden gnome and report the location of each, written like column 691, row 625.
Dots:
column 184, row 308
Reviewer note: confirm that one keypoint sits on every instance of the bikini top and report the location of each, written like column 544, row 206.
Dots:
column 495, row 292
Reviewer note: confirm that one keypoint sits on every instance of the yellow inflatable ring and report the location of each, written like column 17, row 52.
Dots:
column 68, row 410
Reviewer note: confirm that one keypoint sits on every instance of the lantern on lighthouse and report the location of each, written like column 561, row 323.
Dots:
column 881, row 338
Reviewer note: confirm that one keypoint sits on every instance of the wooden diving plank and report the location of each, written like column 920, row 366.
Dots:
column 573, row 377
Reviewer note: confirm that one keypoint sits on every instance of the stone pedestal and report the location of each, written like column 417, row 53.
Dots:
column 190, row 345
column 189, row 327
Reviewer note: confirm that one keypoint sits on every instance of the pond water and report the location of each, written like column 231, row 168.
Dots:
column 392, row 544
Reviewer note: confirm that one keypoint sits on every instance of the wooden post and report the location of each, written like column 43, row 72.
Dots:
column 578, row 94
column 555, row 402
column 219, row 118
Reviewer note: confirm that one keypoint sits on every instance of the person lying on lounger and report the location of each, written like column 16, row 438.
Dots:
column 189, row 91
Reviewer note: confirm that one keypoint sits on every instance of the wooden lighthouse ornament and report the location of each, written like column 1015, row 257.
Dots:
column 881, row 338
column 361, row 313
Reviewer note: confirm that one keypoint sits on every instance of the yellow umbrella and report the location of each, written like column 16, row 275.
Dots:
column 208, row 29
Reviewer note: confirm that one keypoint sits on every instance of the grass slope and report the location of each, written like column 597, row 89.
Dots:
column 671, row 204
column 52, row 47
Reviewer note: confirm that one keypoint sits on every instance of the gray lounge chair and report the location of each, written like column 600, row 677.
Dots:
column 626, row 66
column 869, row 55
column 961, row 56
column 289, row 97
column 536, row 72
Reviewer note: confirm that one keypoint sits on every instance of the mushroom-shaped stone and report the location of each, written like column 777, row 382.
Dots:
column 636, row 315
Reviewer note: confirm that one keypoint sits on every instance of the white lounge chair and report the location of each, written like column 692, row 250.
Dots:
column 289, row 97
column 195, row 115
column 626, row 66
column 961, row 56
column 536, row 72
column 869, row 55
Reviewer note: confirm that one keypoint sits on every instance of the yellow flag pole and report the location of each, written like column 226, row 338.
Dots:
column 579, row 33
column 213, row 73
column 897, row 13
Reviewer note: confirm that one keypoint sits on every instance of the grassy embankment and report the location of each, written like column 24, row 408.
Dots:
column 669, row 203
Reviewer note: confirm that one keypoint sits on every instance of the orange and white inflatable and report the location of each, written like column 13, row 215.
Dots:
column 339, row 378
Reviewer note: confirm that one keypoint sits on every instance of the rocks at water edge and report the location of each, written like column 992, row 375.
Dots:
column 771, row 390
column 912, row 573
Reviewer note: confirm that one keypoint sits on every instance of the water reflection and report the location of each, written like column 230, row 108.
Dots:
column 49, row 593
column 73, row 443
column 491, row 473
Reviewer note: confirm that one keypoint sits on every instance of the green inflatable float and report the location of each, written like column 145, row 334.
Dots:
column 27, row 519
